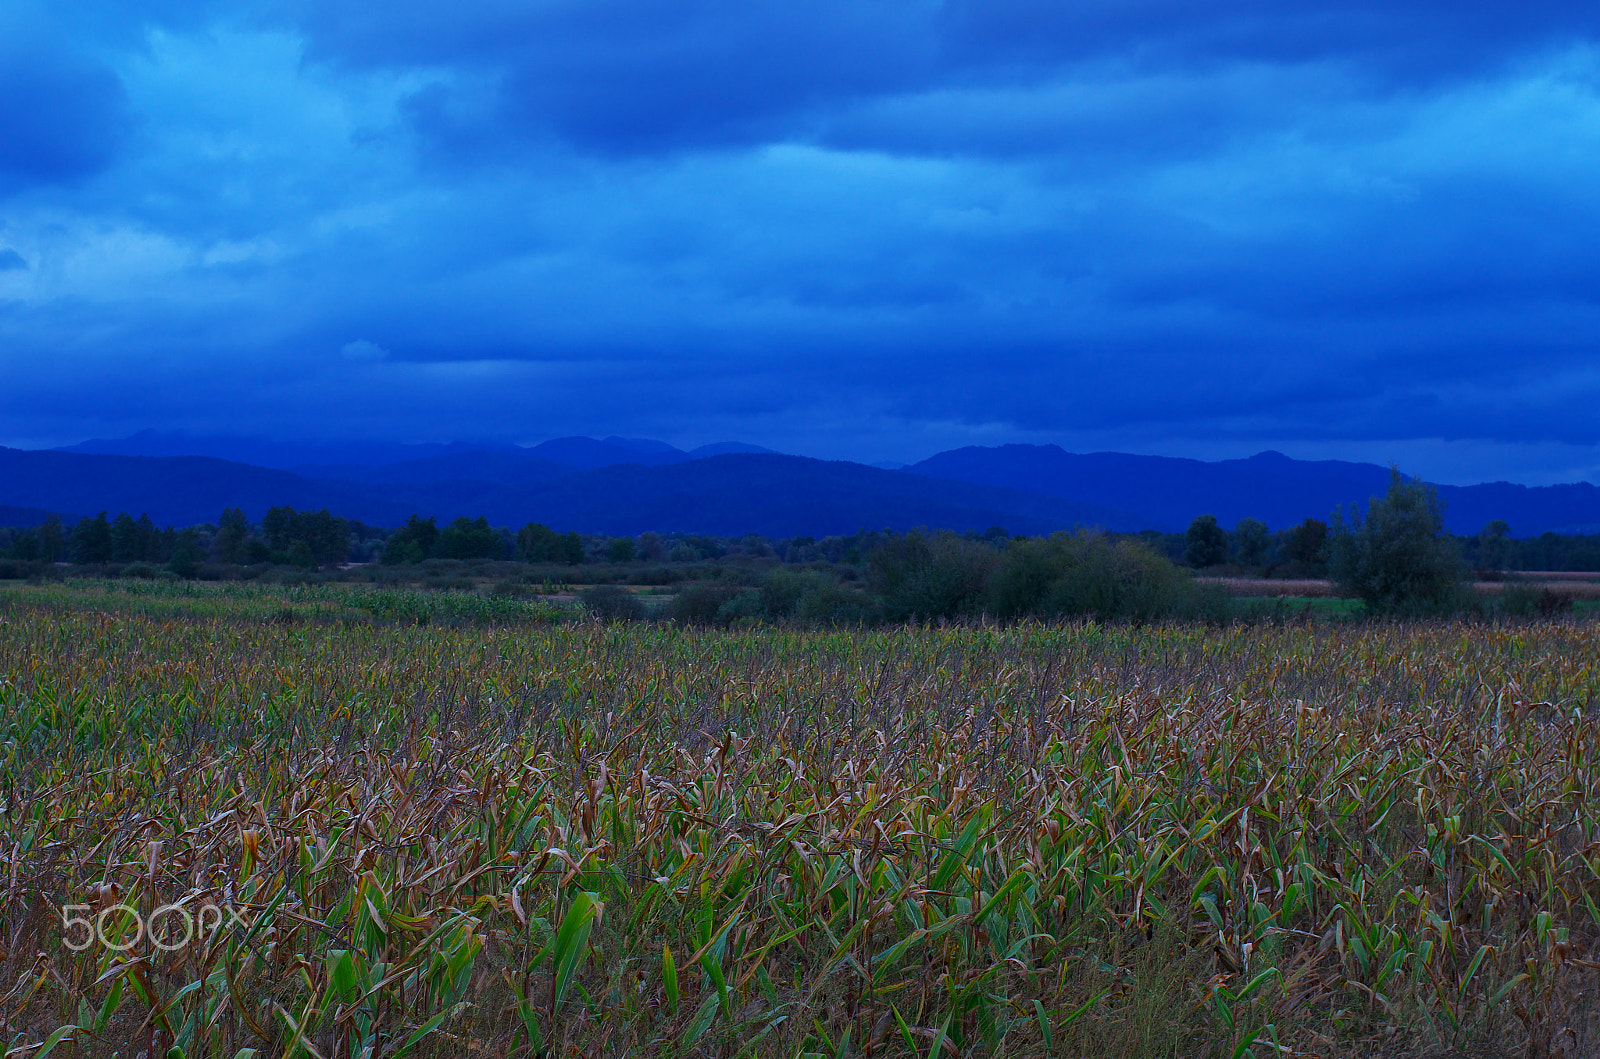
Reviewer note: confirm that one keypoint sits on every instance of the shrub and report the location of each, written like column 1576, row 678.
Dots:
column 745, row 606
column 217, row 572
column 939, row 575
column 654, row 575
column 610, row 603
column 1088, row 575
column 1527, row 601
column 701, row 601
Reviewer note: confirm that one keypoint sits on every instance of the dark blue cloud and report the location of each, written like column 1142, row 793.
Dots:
column 11, row 261
column 61, row 119
column 631, row 76
column 851, row 228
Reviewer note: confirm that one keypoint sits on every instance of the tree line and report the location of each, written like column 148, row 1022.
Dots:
column 1393, row 554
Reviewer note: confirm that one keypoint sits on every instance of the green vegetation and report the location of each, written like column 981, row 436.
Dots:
column 502, row 836
column 1397, row 558
column 1394, row 559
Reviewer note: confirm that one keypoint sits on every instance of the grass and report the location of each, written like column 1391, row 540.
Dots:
column 513, row 836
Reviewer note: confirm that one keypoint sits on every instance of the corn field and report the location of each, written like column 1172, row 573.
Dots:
column 237, row 829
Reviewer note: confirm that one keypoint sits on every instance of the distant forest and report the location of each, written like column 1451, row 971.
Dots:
column 1399, row 563
column 233, row 547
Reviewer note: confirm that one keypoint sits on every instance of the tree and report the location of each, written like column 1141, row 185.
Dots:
column 1307, row 544
column 538, row 543
column 1206, row 543
column 306, row 538
column 620, row 550
column 1250, row 540
column 1397, row 559
column 652, row 549
column 91, row 540
column 126, row 546
column 233, row 529
column 1494, row 545
column 25, row 545
column 412, row 542
column 467, row 538
column 52, row 539
column 186, row 556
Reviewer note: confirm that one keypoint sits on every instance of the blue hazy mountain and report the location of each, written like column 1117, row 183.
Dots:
column 632, row 485
column 476, row 465
column 282, row 455
column 1269, row 486
column 359, row 459
column 783, row 496
column 728, row 495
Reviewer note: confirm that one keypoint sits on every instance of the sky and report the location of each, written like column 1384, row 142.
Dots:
column 1354, row 229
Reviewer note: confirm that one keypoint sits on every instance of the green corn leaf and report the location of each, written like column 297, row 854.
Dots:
column 669, row 977
column 572, row 940
column 54, row 1039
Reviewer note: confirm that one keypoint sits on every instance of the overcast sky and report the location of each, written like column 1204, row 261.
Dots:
column 1361, row 229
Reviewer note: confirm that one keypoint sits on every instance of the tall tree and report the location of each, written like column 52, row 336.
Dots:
column 412, row 542
column 1250, row 540
column 91, row 540
column 125, row 543
column 1206, row 543
column 233, row 529
column 467, row 538
column 52, row 539
column 1397, row 559
column 1494, row 545
column 1307, row 544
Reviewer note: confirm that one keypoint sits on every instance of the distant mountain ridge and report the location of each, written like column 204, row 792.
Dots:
column 1269, row 486
column 349, row 458
column 727, row 495
column 627, row 485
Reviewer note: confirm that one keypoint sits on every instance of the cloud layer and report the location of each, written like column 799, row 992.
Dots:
column 842, row 228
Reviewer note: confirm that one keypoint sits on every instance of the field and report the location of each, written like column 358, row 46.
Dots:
column 305, row 822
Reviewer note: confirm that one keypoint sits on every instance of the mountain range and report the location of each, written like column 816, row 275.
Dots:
column 628, row 485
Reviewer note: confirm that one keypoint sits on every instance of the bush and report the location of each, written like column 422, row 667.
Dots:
column 939, row 575
column 700, row 602
column 1087, row 575
column 654, row 575
column 746, row 606
column 143, row 571
column 610, row 603
column 1526, row 601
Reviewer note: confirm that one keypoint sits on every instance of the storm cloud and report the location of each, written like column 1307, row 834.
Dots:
column 847, row 229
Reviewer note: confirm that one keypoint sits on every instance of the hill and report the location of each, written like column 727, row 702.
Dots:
column 1269, row 486
column 731, row 494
